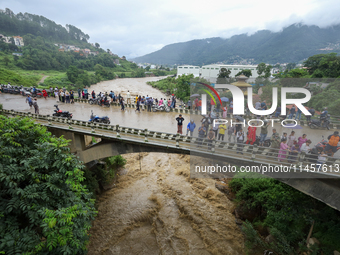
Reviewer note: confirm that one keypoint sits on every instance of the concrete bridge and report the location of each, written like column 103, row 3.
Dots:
column 116, row 140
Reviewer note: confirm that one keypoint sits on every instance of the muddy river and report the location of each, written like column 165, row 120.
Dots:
column 156, row 208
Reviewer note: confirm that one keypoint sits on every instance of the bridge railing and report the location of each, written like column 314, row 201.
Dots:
column 223, row 148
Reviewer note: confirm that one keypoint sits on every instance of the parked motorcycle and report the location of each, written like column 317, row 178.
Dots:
column 106, row 103
column 24, row 91
column 14, row 90
column 94, row 100
column 60, row 113
column 97, row 119
column 160, row 108
column 313, row 124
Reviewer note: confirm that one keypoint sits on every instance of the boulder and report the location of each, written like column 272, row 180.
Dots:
column 336, row 253
column 312, row 241
column 269, row 239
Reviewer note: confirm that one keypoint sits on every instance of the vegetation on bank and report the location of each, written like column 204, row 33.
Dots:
column 44, row 206
column 286, row 214
column 47, row 199
column 102, row 174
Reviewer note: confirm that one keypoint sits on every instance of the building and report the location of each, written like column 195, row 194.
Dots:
column 210, row 72
column 188, row 69
column 6, row 39
column 19, row 41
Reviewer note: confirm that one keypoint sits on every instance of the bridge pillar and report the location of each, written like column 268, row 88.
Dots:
column 79, row 142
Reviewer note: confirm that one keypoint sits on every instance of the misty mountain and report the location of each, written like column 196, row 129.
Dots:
column 293, row 44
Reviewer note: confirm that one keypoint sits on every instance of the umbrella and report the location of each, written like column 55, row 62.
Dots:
column 292, row 126
column 195, row 95
column 224, row 99
column 239, row 118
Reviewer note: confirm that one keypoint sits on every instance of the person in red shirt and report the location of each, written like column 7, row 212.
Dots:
column 251, row 137
column 44, row 93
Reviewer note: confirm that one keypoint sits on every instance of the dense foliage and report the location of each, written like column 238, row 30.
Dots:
column 19, row 24
column 14, row 78
column 44, row 207
column 287, row 213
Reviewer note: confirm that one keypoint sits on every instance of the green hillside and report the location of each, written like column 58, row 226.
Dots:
column 293, row 44
column 62, row 54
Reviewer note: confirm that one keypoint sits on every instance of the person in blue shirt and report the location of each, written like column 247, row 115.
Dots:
column 278, row 112
column 29, row 101
column 86, row 92
column 191, row 127
column 298, row 113
column 323, row 116
column 291, row 112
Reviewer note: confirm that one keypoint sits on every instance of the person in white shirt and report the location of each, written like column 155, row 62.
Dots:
column 239, row 139
column 128, row 97
column 305, row 147
column 56, row 95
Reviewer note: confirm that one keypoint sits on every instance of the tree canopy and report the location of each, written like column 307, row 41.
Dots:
column 44, row 208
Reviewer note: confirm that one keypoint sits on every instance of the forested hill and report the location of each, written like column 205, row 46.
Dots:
column 293, row 44
column 22, row 24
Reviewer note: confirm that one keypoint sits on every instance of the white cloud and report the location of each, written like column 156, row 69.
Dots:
column 134, row 28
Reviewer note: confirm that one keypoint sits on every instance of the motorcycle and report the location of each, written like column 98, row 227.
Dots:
column 94, row 100
column 60, row 113
column 24, row 91
column 97, row 119
column 313, row 124
column 160, row 108
column 312, row 156
column 106, row 103
column 14, row 90
column 37, row 93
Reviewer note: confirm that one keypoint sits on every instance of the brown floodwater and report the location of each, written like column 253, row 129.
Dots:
column 156, row 208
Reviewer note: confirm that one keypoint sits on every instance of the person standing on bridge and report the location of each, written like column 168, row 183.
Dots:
column 56, row 95
column 121, row 101
column 29, row 101
column 128, row 97
column 251, row 137
column 180, row 120
column 36, row 107
column 191, row 127
column 239, row 139
column 275, row 143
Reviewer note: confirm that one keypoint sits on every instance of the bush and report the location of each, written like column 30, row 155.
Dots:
column 288, row 213
column 44, row 207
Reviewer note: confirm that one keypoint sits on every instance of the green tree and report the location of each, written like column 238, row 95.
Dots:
column 245, row 72
column 97, row 45
column 261, row 68
column 44, row 207
column 6, row 60
column 182, row 86
column 147, row 68
column 290, row 66
column 224, row 73
column 72, row 74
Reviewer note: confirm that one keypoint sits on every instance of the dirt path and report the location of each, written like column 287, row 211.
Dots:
column 43, row 78
column 160, row 210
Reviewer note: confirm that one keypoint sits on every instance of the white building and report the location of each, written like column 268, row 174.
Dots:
column 211, row 71
column 195, row 70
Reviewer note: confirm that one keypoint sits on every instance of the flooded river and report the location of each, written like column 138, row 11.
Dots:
column 156, row 208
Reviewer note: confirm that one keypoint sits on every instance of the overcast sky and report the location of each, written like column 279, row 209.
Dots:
column 135, row 27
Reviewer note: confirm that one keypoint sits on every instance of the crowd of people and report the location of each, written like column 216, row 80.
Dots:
column 284, row 147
